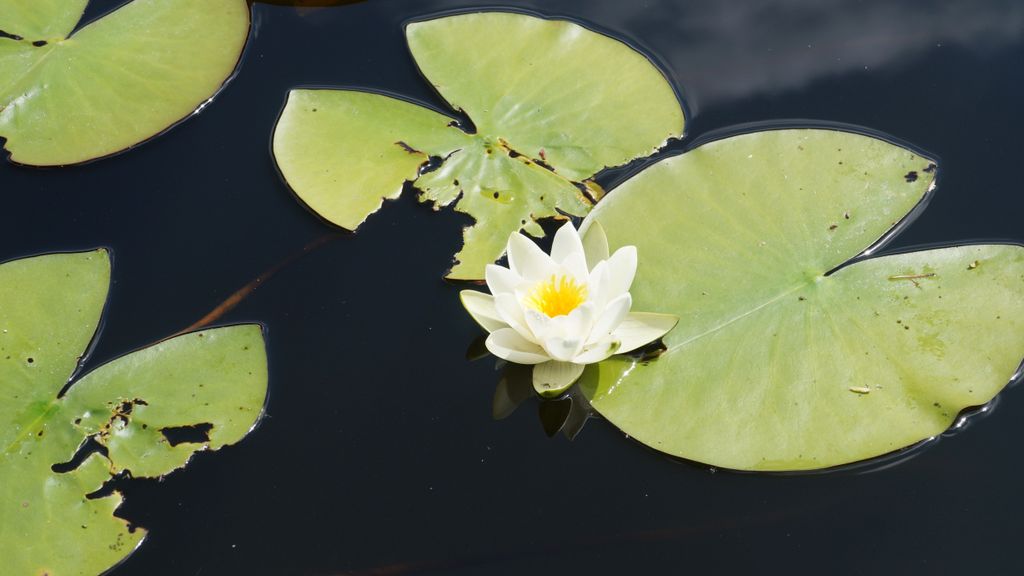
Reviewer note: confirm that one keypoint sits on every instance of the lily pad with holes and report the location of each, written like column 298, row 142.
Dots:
column 552, row 102
column 212, row 383
column 70, row 97
column 788, row 354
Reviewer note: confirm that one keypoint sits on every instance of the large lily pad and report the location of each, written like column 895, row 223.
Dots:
column 114, row 83
column 777, row 362
column 50, row 307
column 553, row 103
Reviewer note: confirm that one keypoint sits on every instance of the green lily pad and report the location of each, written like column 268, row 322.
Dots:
column 552, row 102
column 780, row 360
column 116, row 82
column 40, row 19
column 50, row 307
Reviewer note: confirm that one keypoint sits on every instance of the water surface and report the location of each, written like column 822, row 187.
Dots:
column 378, row 454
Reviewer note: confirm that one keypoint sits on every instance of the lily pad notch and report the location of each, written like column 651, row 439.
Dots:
column 547, row 119
column 71, row 96
column 144, row 414
column 794, row 350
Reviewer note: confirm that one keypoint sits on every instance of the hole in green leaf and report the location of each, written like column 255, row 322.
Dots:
column 194, row 434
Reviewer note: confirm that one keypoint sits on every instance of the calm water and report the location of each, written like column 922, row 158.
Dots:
column 378, row 454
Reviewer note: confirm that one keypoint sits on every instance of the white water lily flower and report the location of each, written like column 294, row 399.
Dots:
column 563, row 311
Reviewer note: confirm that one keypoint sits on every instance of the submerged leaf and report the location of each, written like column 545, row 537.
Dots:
column 553, row 103
column 778, row 363
column 50, row 307
column 116, row 82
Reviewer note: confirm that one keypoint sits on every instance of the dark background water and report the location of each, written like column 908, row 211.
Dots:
column 378, row 454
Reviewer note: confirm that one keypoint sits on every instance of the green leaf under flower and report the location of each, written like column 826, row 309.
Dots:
column 788, row 356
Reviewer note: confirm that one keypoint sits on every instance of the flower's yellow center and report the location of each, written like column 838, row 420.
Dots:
column 557, row 296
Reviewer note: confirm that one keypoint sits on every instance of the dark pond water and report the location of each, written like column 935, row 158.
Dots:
column 378, row 454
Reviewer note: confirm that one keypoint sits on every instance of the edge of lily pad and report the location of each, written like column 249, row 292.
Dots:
column 802, row 124
column 199, row 109
column 108, row 254
column 966, row 417
column 118, row 494
column 81, row 372
column 344, row 87
column 464, row 119
column 465, row 122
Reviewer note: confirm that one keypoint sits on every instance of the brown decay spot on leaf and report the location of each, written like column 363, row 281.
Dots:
column 120, row 412
column 407, row 148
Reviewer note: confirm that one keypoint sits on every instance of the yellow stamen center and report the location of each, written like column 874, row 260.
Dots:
column 557, row 296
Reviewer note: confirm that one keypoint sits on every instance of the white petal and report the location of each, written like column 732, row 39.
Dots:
column 511, row 312
column 501, row 279
column 576, row 324
column 597, row 286
column 583, row 318
column 641, row 328
column 570, row 327
column 481, row 307
column 598, row 351
column 564, row 349
column 610, row 318
column 552, row 378
column 595, row 244
column 507, row 344
column 576, row 266
column 538, row 323
column 527, row 259
column 567, row 243
column 621, row 270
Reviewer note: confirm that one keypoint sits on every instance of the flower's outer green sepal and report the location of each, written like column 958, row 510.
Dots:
column 552, row 378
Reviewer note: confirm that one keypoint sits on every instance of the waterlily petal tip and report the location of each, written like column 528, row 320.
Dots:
column 482, row 309
column 507, row 344
column 642, row 328
column 595, row 244
column 567, row 246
